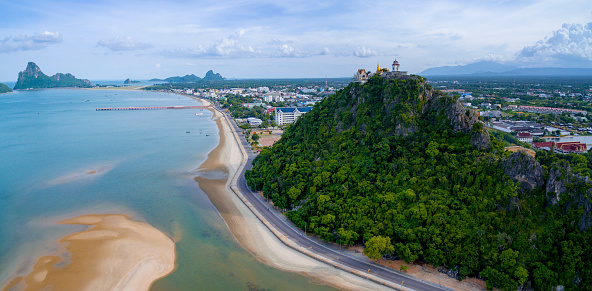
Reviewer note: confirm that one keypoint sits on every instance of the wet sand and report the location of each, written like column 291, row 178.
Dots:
column 249, row 231
column 114, row 253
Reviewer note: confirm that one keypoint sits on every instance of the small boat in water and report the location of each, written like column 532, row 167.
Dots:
column 199, row 113
column 188, row 131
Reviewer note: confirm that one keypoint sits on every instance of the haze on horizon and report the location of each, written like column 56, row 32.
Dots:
column 100, row 40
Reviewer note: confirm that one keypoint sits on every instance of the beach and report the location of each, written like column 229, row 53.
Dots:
column 114, row 252
column 214, row 180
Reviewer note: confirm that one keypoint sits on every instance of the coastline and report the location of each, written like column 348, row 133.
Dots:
column 215, row 179
column 114, row 252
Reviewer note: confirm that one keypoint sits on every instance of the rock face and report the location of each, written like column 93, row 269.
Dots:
column 461, row 118
column 33, row 78
column 579, row 193
column 213, row 77
column 524, row 169
column 429, row 101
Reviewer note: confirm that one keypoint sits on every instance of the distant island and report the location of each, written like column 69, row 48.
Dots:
column 33, row 78
column 130, row 81
column 4, row 89
column 209, row 77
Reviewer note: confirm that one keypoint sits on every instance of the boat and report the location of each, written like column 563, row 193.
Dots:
column 188, row 131
column 199, row 113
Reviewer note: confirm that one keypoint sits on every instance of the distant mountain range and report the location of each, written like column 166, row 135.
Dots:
column 209, row 77
column 496, row 69
column 33, row 78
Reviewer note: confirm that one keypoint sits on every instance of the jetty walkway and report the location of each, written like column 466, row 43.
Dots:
column 152, row 108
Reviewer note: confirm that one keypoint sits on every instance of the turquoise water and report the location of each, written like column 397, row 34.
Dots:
column 143, row 164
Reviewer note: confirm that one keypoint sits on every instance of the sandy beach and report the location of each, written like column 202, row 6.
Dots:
column 249, row 231
column 113, row 253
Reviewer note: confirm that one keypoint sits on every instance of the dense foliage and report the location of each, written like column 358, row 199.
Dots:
column 427, row 195
column 4, row 88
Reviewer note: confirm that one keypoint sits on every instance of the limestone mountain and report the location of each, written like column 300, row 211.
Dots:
column 209, row 77
column 33, row 78
column 408, row 172
column 213, row 77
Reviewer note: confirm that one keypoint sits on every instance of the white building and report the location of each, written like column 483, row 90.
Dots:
column 285, row 115
column 253, row 122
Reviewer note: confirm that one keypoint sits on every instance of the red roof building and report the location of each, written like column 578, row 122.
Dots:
column 544, row 145
column 524, row 137
column 572, row 147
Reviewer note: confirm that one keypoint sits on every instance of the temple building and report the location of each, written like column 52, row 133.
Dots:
column 362, row 75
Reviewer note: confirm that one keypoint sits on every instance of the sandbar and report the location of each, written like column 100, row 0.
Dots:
column 113, row 253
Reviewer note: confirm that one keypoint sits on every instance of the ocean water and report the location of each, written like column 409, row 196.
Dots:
column 60, row 158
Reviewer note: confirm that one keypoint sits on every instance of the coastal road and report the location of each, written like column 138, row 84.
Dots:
column 284, row 226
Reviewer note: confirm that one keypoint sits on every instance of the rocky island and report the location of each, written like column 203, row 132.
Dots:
column 130, row 81
column 4, row 88
column 209, row 77
column 33, row 78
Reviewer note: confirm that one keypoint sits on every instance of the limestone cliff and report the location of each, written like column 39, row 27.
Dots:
column 524, row 169
column 461, row 118
column 575, row 189
column 33, row 78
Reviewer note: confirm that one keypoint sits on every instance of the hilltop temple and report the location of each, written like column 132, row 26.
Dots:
column 362, row 75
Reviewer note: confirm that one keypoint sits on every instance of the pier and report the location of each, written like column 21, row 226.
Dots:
column 151, row 108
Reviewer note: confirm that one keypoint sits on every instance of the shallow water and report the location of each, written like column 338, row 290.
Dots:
column 60, row 158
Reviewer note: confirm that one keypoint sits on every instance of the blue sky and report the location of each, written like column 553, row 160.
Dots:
column 100, row 40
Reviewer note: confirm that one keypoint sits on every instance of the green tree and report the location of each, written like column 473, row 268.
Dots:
column 378, row 246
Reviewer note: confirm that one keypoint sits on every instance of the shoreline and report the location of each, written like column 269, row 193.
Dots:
column 249, row 231
column 113, row 252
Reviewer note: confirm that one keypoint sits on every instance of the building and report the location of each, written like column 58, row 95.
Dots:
column 286, row 115
column 251, row 105
column 524, row 137
column 253, row 122
column 548, row 145
column 361, row 76
column 395, row 71
column 571, row 147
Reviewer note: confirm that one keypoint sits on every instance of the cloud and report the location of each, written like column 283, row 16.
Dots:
column 24, row 42
column 363, row 52
column 118, row 44
column 569, row 46
column 231, row 46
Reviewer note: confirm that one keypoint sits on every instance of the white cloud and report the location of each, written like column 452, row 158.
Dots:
column 364, row 52
column 123, row 44
column 569, row 46
column 231, row 46
column 24, row 42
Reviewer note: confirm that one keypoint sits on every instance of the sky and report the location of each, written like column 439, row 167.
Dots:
column 110, row 40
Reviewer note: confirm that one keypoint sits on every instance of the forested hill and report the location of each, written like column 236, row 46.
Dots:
column 408, row 172
column 33, row 78
column 4, row 88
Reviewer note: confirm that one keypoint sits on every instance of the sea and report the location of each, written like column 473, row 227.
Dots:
column 60, row 158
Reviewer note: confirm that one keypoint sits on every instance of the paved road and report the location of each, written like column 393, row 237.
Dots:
column 300, row 238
